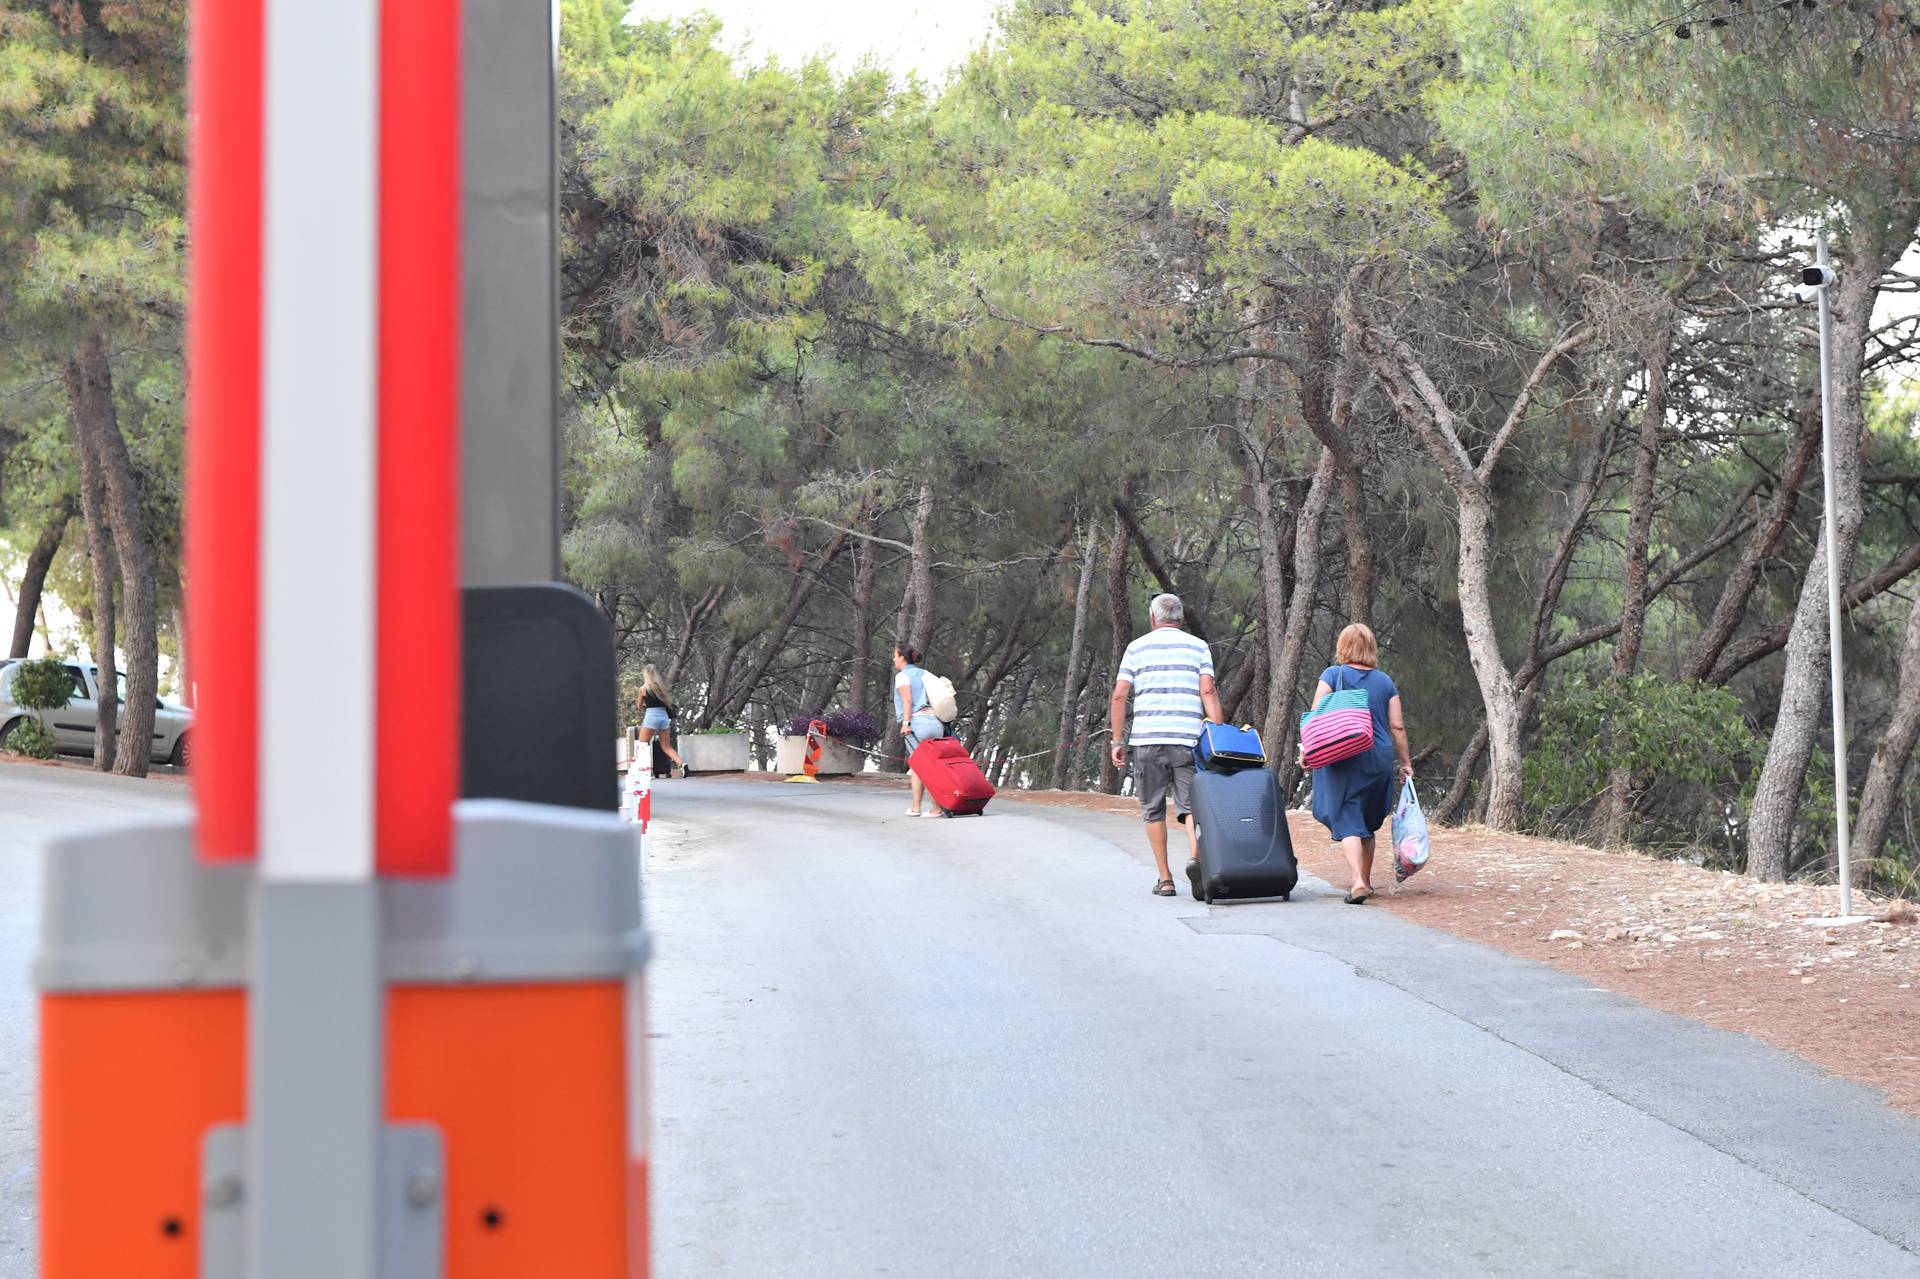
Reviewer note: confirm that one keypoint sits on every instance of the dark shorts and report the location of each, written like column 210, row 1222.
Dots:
column 1158, row 770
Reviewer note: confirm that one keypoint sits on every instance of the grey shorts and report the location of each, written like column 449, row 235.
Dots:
column 1157, row 770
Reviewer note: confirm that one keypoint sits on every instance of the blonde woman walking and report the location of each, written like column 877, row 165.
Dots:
column 1351, row 798
column 656, row 717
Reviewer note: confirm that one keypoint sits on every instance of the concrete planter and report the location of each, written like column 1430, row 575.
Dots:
column 836, row 760
column 715, row 752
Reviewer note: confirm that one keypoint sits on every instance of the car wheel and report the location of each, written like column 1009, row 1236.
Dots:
column 6, row 730
column 180, row 754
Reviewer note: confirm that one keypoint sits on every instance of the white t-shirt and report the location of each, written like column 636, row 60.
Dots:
column 1164, row 666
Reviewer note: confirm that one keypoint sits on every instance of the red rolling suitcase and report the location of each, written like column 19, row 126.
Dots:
column 952, row 779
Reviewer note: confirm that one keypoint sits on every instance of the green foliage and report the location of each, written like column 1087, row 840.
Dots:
column 92, row 176
column 1691, row 741
column 793, row 299
column 1557, row 141
column 44, row 685
column 30, row 738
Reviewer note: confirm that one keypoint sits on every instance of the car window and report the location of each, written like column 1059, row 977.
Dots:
column 120, row 677
column 79, row 682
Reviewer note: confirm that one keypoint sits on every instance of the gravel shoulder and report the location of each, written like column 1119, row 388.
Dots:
column 1720, row 948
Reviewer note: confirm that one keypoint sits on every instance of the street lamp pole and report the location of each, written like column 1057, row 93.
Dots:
column 1821, row 277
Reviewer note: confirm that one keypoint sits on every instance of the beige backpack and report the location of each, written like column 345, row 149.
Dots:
column 940, row 698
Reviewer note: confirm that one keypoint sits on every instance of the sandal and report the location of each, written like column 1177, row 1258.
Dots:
column 1164, row 888
column 1359, row 896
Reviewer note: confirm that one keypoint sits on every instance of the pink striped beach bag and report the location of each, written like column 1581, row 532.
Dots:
column 1340, row 727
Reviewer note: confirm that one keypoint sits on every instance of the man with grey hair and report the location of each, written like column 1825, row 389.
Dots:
column 1168, row 675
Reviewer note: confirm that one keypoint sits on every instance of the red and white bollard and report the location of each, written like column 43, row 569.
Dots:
column 638, row 804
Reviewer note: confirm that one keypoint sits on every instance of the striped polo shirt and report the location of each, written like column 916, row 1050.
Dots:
column 1164, row 666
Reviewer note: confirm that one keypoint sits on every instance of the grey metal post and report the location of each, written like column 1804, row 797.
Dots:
column 315, row 1081
column 510, row 339
column 1835, row 657
column 314, row 1026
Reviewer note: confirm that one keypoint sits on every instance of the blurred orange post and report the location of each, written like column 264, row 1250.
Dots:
column 518, row 1035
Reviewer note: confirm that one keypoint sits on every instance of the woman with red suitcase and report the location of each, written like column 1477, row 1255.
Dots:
column 918, row 723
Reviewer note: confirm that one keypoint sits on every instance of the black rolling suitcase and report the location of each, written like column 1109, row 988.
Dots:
column 1245, row 849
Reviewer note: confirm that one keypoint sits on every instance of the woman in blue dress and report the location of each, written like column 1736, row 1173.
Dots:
column 1352, row 798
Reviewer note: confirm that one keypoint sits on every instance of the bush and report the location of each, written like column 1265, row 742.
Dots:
column 30, row 738
column 1688, row 746
column 43, row 685
column 856, row 728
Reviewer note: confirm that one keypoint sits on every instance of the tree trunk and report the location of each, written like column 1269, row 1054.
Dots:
column 921, row 632
column 90, row 387
column 1579, row 506
column 1420, row 402
column 1803, row 686
column 1633, row 608
column 182, row 673
column 892, row 746
column 1090, row 714
column 1448, row 809
column 34, row 580
column 1281, row 728
column 1762, row 543
column 1353, row 504
column 719, row 687
column 1003, row 661
column 866, row 567
column 1273, row 588
column 1891, row 756
column 1004, row 751
column 777, row 635
column 1169, row 582
column 1326, row 405
column 1076, row 649
column 1120, row 617
column 696, row 618
column 1489, row 668
column 1764, row 644
column 100, row 561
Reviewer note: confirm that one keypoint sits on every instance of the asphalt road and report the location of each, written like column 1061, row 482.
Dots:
column 36, row 802
column 980, row 1047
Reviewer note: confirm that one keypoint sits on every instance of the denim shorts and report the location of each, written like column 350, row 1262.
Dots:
column 923, row 727
column 657, row 719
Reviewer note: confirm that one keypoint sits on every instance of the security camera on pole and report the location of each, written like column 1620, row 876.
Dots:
column 1815, row 281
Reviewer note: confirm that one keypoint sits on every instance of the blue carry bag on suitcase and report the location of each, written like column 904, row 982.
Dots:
column 1222, row 748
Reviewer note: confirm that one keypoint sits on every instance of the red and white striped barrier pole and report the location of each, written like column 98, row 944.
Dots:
column 298, row 1041
column 323, row 543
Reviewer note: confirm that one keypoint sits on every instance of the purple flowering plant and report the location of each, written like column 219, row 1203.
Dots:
column 856, row 728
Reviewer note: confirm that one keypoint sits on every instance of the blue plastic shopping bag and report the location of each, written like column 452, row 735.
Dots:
column 1411, row 847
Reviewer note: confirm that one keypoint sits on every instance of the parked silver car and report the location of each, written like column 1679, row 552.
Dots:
column 73, row 726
